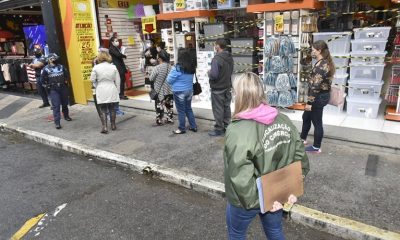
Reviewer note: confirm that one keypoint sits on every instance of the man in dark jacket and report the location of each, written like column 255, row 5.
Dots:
column 118, row 61
column 38, row 64
column 221, row 84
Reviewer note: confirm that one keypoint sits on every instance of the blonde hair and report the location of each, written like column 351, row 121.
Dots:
column 249, row 92
column 104, row 56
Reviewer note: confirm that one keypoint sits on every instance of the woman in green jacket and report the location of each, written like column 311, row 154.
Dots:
column 258, row 141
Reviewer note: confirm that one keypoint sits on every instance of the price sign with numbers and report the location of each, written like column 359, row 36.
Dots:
column 180, row 5
column 279, row 23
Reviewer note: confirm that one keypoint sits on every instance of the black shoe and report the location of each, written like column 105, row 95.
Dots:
column 216, row 133
column 58, row 126
column 193, row 129
column 124, row 98
column 68, row 118
column 44, row 105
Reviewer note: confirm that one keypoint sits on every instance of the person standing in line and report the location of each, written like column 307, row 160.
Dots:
column 150, row 55
column 55, row 79
column 259, row 140
column 106, row 80
column 319, row 86
column 164, row 97
column 181, row 80
column 38, row 64
column 220, row 83
column 118, row 61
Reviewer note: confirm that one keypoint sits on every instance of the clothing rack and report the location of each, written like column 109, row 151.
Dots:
column 22, row 83
column 11, row 60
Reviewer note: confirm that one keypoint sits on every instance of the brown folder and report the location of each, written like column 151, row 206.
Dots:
column 279, row 184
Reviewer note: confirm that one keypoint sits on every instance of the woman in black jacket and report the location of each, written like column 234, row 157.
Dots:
column 118, row 61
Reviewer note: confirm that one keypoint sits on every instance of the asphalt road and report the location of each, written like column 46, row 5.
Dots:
column 98, row 201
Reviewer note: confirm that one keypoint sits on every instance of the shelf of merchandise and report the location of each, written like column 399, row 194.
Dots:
column 186, row 14
column 284, row 6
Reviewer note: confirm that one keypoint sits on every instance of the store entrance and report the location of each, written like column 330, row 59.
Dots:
column 21, row 30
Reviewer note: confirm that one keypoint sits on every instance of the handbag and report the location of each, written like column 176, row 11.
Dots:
column 153, row 93
column 336, row 96
column 196, row 87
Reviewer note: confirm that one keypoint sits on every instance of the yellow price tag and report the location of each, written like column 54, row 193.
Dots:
column 279, row 23
column 180, row 5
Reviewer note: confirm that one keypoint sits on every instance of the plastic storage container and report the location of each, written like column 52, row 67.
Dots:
column 366, row 72
column 368, row 45
column 341, row 61
column 365, row 89
column 340, row 80
column 337, row 46
column 372, row 33
column 361, row 107
column 367, row 58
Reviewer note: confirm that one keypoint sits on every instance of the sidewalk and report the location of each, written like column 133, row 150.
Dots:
column 337, row 183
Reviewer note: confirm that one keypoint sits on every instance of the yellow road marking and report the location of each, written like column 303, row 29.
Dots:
column 26, row 227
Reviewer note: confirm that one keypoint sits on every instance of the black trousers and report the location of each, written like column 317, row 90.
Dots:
column 122, row 86
column 221, row 107
column 315, row 117
column 42, row 91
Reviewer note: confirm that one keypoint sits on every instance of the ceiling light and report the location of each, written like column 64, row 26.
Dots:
column 2, row 1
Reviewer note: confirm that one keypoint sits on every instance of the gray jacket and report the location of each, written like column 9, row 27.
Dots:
column 221, row 71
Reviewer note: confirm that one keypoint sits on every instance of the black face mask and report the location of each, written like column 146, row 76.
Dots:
column 38, row 55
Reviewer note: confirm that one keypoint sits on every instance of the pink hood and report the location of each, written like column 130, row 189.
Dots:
column 263, row 114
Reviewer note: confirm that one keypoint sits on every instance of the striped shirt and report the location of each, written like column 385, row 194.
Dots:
column 161, row 85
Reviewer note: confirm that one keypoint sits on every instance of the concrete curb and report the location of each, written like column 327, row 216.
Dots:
column 332, row 224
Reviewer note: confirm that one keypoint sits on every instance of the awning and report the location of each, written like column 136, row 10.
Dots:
column 11, row 4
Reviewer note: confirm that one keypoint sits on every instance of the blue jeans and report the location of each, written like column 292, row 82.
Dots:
column 239, row 219
column 183, row 103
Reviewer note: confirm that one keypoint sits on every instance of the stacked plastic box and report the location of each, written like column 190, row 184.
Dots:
column 339, row 47
column 366, row 71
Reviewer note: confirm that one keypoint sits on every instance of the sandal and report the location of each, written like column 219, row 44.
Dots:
column 193, row 129
column 178, row 131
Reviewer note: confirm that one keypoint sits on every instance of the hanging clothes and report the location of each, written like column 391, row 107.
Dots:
column 6, row 72
column 13, row 73
column 31, row 74
column 23, row 76
column 2, row 80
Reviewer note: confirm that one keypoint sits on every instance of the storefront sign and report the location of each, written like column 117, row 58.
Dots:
column 126, row 3
column 279, row 23
column 118, row 3
column 80, row 35
column 149, row 25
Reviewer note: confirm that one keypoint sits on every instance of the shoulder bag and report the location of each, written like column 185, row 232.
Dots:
column 196, row 87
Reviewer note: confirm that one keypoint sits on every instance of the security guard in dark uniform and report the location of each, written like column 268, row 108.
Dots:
column 54, row 78
column 38, row 64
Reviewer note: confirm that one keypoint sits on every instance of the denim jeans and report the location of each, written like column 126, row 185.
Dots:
column 315, row 117
column 239, row 219
column 183, row 103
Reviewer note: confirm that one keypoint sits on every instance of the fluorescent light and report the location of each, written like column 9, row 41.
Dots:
column 2, row 1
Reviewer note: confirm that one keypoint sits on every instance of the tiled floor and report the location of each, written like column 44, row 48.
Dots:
column 331, row 117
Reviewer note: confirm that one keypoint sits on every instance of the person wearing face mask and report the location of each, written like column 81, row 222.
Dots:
column 118, row 61
column 221, row 84
column 160, row 46
column 38, row 64
column 55, row 79
column 150, row 55
column 319, row 86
